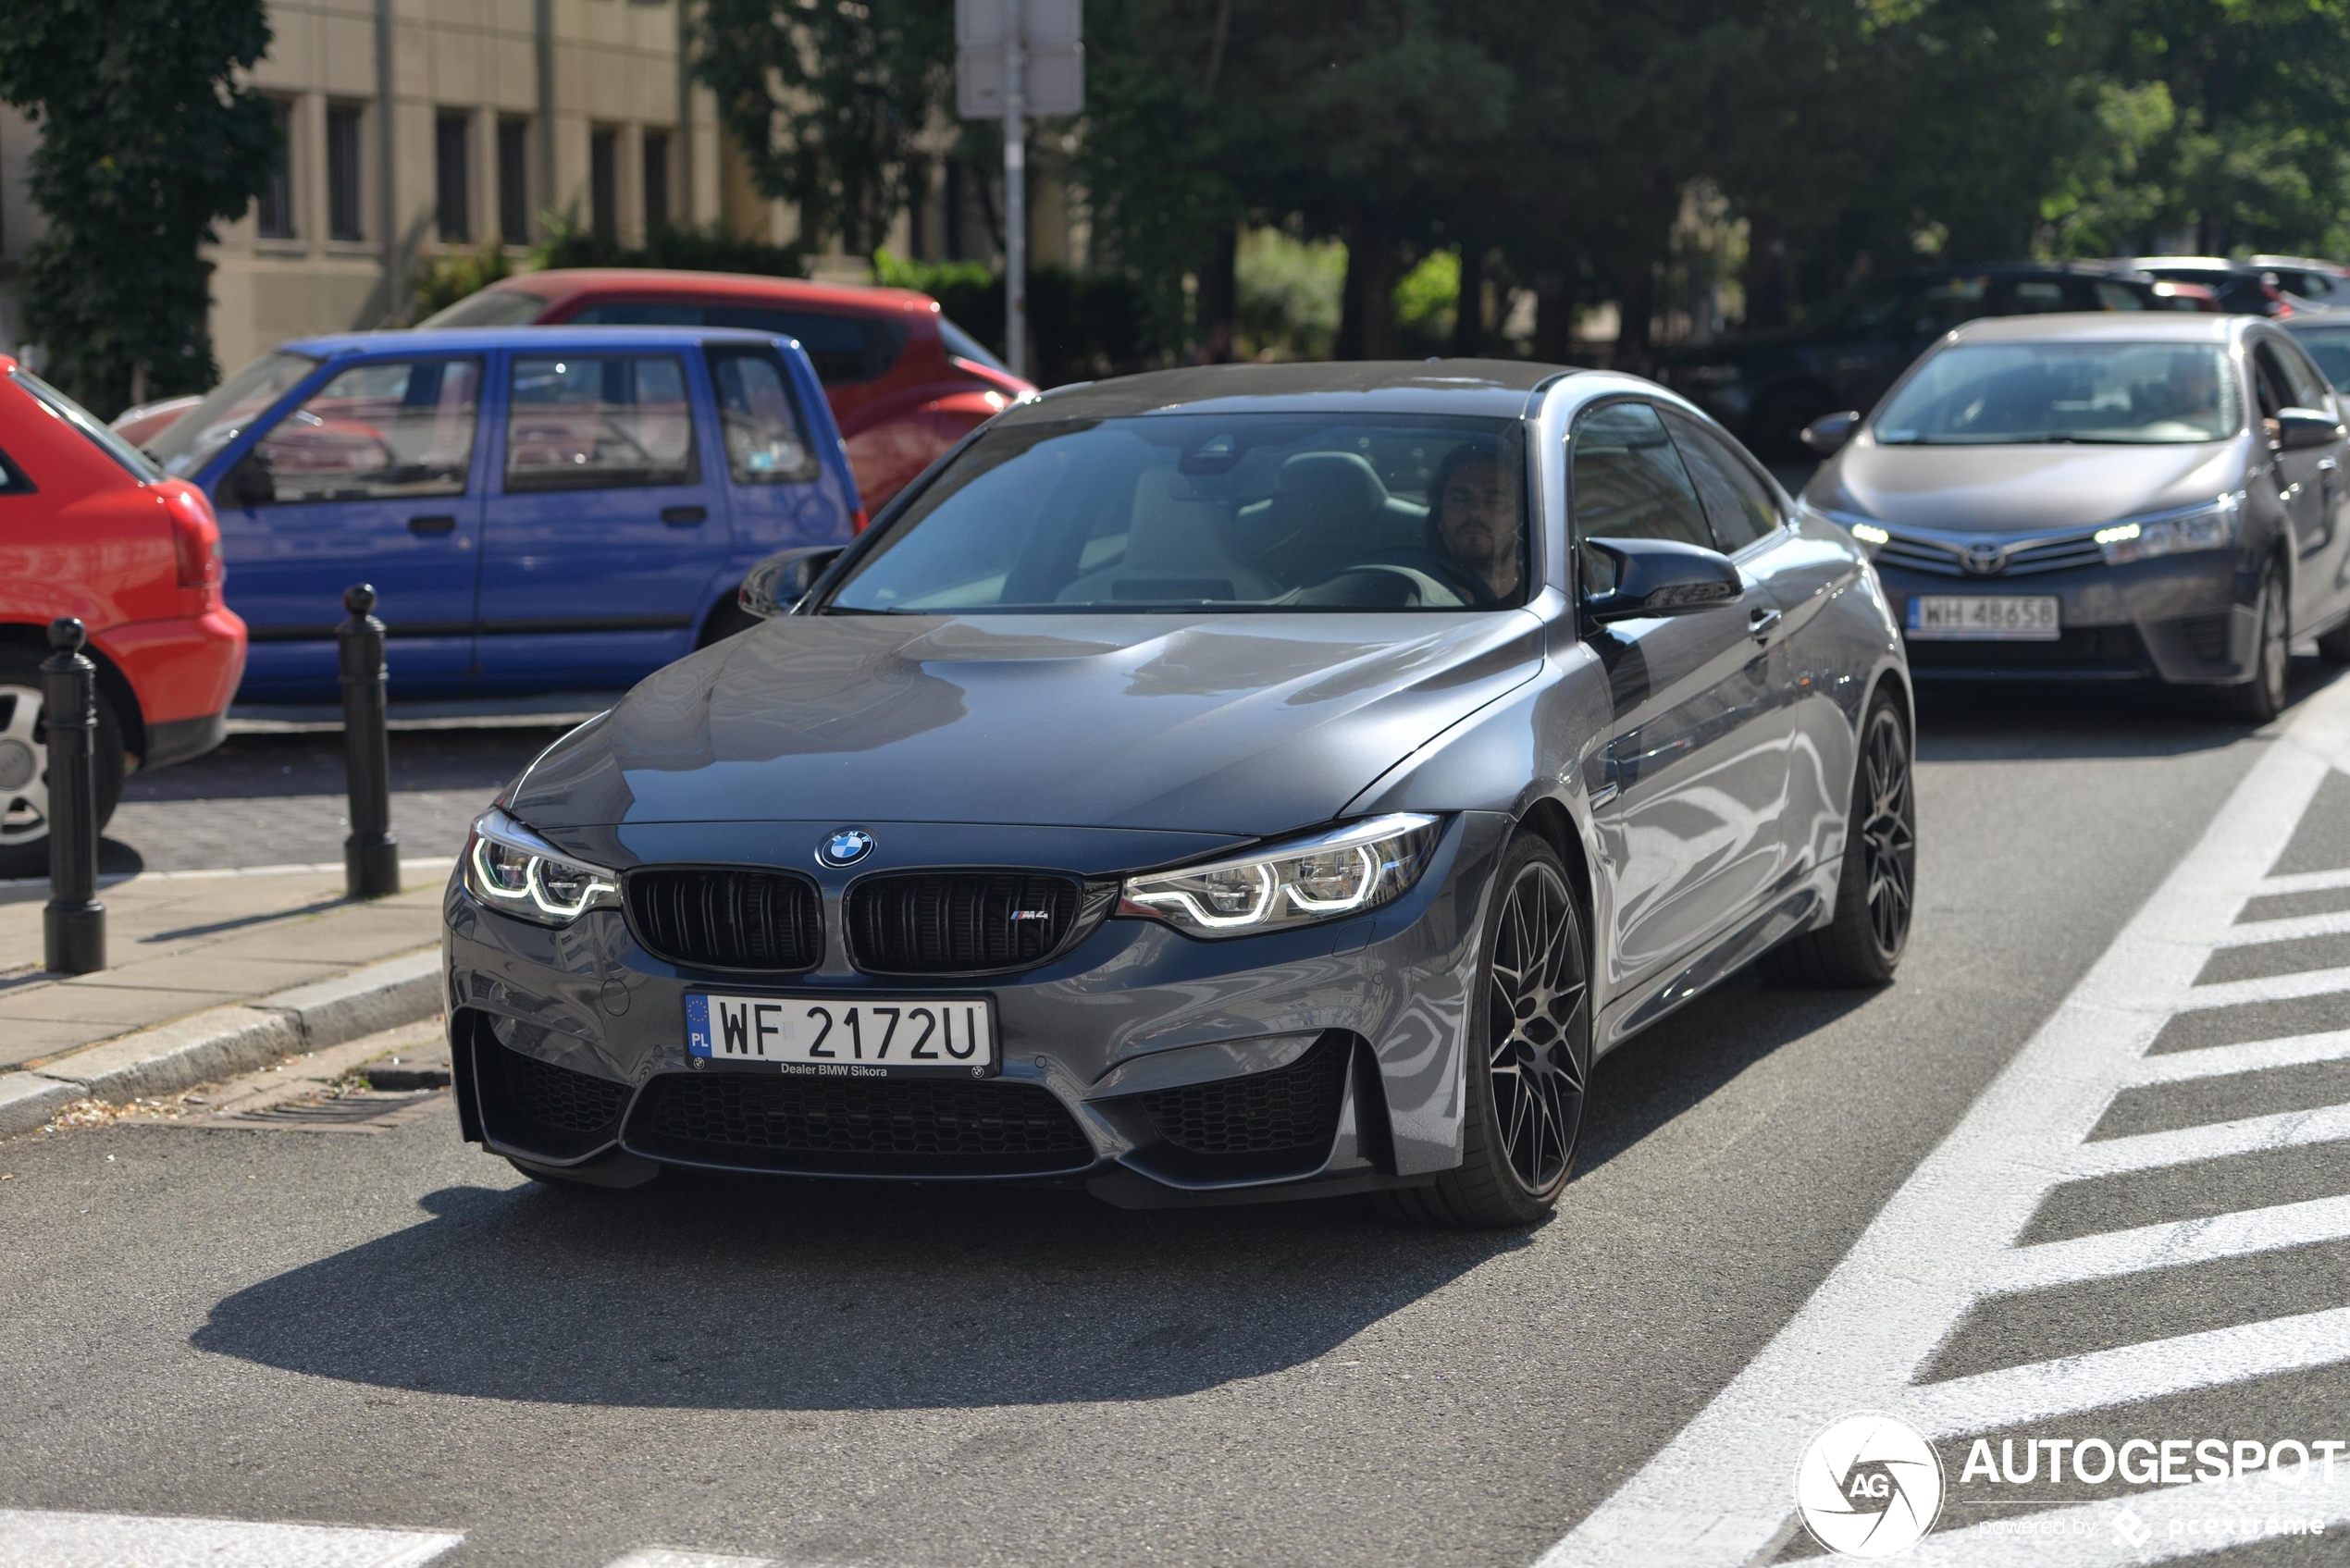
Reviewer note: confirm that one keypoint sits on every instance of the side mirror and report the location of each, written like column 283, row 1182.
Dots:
column 2298, row 429
column 250, row 483
column 772, row 586
column 1662, row 577
column 1828, row 433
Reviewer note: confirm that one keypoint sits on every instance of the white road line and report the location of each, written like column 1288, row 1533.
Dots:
column 2287, row 928
column 1720, row 1490
column 2303, row 881
column 2148, row 1151
column 2218, row 1061
column 2270, row 988
column 2144, row 1528
column 658, row 1558
column 2169, row 1246
column 2128, row 1374
column 34, row 1540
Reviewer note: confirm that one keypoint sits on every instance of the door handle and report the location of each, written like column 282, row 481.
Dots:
column 683, row 517
column 1760, row 625
column 432, row 524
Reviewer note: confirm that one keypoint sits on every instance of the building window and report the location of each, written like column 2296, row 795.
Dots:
column 656, row 180
column 603, row 183
column 513, row 182
column 452, row 187
column 343, row 173
column 273, row 209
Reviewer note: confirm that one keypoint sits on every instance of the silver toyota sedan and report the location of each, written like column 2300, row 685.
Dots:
column 2111, row 497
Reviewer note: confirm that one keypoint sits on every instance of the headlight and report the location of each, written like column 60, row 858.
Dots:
column 1870, row 535
column 1347, row 871
column 2210, row 527
column 512, row 868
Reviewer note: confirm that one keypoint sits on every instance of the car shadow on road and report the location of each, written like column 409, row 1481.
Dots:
column 752, row 1294
column 2024, row 722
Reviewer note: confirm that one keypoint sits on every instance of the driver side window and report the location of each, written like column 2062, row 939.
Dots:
column 1628, row 483
column 394, row 429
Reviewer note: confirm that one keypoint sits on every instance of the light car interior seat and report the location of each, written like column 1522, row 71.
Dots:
column 1176, row 549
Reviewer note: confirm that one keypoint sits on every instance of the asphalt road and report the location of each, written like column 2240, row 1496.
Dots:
column 397, row 1331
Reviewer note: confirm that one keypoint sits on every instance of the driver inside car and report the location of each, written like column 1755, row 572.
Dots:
column 1473, row 519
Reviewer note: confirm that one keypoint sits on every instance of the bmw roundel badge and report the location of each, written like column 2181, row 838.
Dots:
column 846, row 847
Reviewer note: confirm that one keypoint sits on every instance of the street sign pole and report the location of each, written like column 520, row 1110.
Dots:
column 1015, row 193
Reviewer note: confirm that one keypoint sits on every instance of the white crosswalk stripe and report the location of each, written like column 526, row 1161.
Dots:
column 1947, row 1242
column 38, row 1539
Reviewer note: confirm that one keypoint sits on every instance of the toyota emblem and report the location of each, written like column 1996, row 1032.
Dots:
column 846, row 847
column 1984, row 558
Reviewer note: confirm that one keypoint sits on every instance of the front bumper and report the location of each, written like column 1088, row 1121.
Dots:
column 2187, row 620
column 1151, row 1067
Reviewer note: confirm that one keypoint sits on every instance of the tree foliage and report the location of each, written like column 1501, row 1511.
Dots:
column 148, row 140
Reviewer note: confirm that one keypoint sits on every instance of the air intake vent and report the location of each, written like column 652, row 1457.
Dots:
column 1290, row 1108
column 965, row 922
column 558, row 1098
column 722, row 918
column 913, row 1127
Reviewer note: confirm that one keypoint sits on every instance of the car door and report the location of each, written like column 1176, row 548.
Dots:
column 605, row 537
column 2325, row 549
column 368, row 478
column 777, row 496
column 1693, row 769
column 2307, row 482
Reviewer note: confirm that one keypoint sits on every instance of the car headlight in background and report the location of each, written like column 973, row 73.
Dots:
column 512, row 868
column 1869, row 536
column 2209, row 526
column 1349, row 870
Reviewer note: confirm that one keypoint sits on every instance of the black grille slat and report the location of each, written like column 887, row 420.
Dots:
column 559, row 1097
column 1294, row 1108
column 962, row 922
column 2208, row 637
column 724, row 917
column 909, row 1127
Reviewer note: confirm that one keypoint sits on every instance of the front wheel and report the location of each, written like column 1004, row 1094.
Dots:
column 1529, row 1058
column 1877, row 887
column 2261, row 697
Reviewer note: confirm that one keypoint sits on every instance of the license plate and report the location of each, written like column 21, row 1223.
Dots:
column 832, row 1037
column 1984, row 617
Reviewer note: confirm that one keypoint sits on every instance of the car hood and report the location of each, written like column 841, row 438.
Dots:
column 1235, row 725
column 2021, row 490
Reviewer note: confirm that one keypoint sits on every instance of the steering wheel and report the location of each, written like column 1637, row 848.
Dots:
column 1418, row 575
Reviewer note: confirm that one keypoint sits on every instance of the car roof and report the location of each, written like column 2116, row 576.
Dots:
column 2107, row 327
column 1493, row 388
column 445, row 339
column 567, row 283
column 2303, row 264
column 2193, row 264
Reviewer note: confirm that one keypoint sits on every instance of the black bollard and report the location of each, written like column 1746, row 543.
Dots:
column 73, row 928
column 371, row 855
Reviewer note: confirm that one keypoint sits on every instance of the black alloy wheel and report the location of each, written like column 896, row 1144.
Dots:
column 1530, row 1054
column 1877, row 887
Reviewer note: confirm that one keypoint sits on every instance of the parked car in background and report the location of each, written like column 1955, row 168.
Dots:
column 904, row 382
column 2102, row 498
column 1766, row 386
column 2325, row 336
column 2245, row 288
column 90, row 527
column 1236, row 783
column 537, row 509
column 140, row 423
column 2323, row 284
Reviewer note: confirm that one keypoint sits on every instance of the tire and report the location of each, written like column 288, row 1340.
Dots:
column 1523, row 1111
column 24, row 766
column 1876, row 888
column 2261, row 697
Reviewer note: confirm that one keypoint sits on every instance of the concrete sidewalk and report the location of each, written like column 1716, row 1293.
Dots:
column 182, row 942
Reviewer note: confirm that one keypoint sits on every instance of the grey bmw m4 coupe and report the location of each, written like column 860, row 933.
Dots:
column 1217, row 785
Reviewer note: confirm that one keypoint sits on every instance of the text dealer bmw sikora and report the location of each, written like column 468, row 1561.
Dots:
column 1233, row 782
column 2110, row 496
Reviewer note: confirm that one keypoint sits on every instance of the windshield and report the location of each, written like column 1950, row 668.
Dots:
column 2330, row 346
column 2124, row 394
column 185, row 444
column 490, row 307
column 1184, row 512
column 73, row 414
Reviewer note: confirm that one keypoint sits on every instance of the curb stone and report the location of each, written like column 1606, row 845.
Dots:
column 226, row 1041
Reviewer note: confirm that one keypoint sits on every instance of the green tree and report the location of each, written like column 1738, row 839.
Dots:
column 148, row 140
column 828, row 100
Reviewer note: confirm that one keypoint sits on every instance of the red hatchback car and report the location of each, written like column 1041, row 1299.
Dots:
column 905, row 382
column 90, row 527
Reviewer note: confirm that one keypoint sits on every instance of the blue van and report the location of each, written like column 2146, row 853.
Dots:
column 539, row 509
